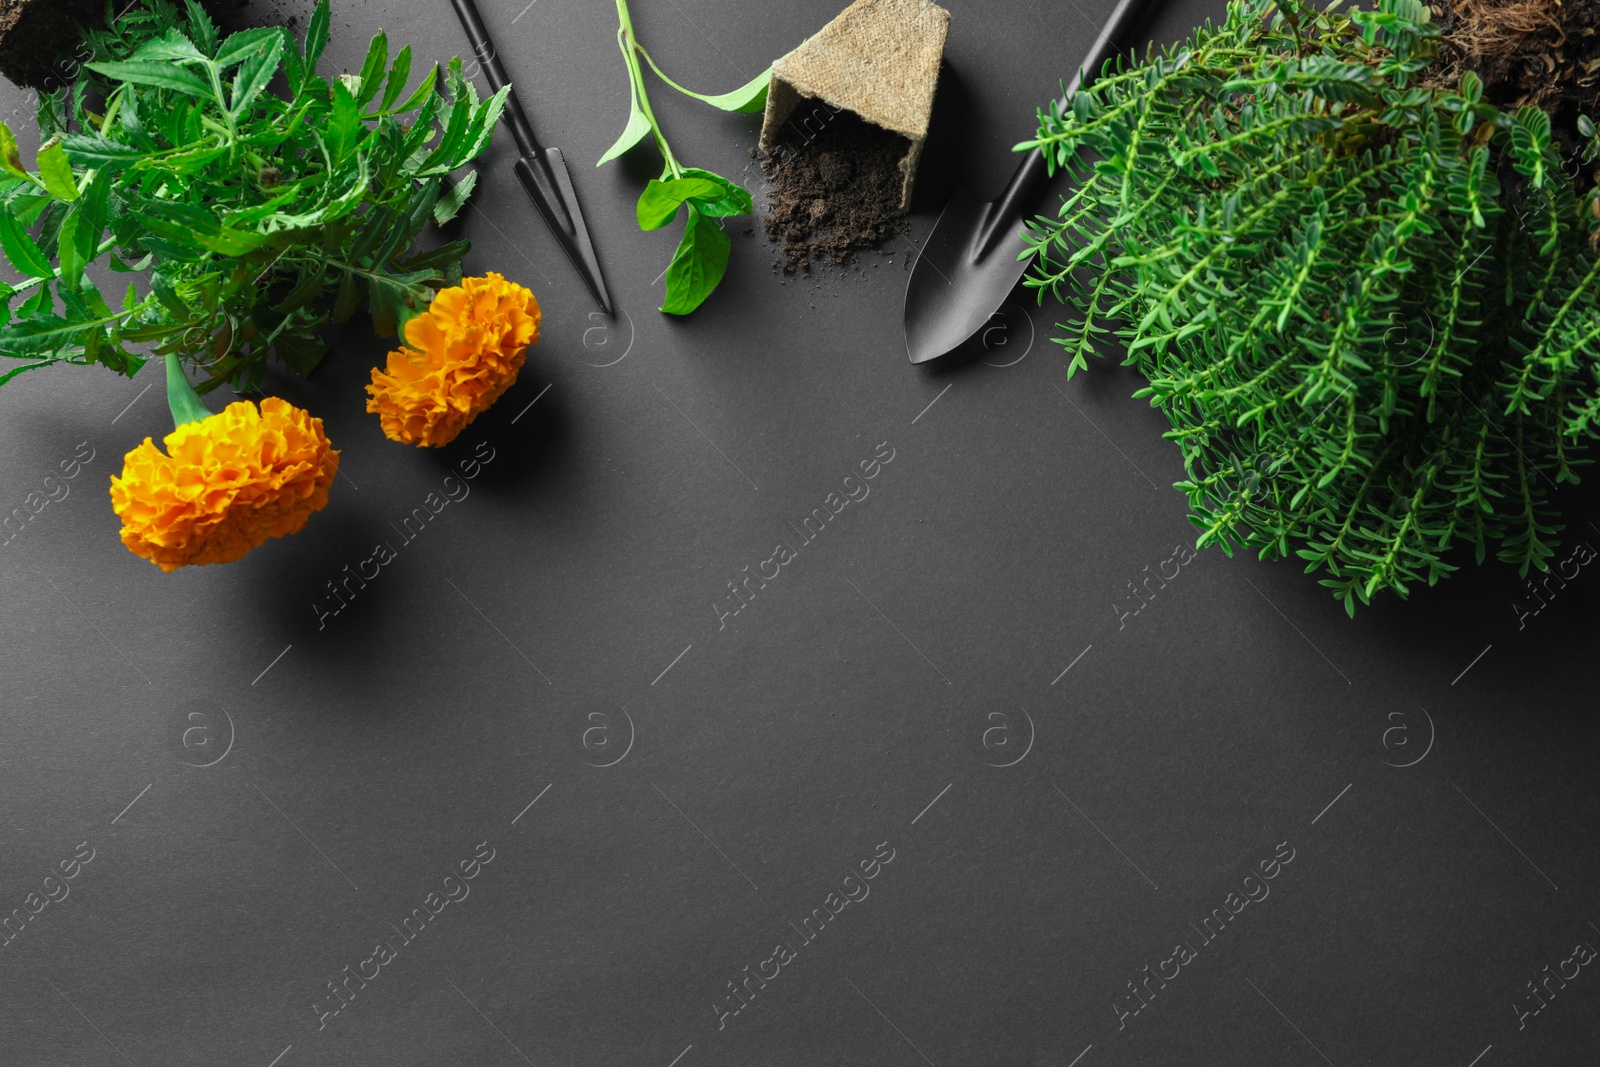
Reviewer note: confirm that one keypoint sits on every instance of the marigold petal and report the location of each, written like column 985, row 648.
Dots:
column 459, row 357
column 224, row 485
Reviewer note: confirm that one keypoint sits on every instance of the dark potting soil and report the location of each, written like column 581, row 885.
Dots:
column 1543, row 53
column 39, row 38
column 835, row 192
column 36, row 34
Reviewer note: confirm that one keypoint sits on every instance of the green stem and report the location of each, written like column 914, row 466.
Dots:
column 181, row 397
column 222, row 101
column 630, row 52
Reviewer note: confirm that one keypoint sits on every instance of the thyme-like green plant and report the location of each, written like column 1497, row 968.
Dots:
column 1368, row 307
column 238, row 211
column 701, row 260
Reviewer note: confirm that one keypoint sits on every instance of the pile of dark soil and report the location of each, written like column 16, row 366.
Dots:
column 34, row 34
column 1543, row 53
column 835, row 192
column 38, row 38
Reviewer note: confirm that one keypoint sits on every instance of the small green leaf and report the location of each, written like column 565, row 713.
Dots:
column 730, row 199
column 10, row 154
column 205, row 31
column 372, row 69
column 344, row 124
column 697, row 266
column 241, row 44
column 632, row 134
column 747, row 99
column 659, row 203
column 397, row 79
column 427, row 88
column 182, row 400
column 349, row 298
column 484, row 122
column 21, row 249
column 396, row 298
column 301, row 351
column 254, row 74
column 171, row 45
column 156, row 75
column 55, row 170
column 39, row 333
column 443, row 257
column 316, row 35
column 454, row 199
column 90, row 151
column 308, row 289
column 70, row 253
column 226, row 242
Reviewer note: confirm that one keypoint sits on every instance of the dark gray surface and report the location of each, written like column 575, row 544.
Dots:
column 366, row 759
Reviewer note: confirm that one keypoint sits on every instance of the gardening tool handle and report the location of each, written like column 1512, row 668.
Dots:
column 483, row 49
column 1018, row 198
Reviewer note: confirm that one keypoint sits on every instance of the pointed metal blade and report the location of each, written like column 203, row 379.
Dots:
column 544, row 175
column 956, row 284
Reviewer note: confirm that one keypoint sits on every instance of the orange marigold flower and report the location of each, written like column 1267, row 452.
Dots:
column 224, row 485
column 459, row 356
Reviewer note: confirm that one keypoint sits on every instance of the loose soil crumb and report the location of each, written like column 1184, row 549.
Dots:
column 834, row 194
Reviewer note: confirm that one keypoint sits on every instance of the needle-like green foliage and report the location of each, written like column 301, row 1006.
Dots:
column 1368, row 307
column 247, row 218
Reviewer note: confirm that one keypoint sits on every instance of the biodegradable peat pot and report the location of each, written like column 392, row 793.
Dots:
column 878, row 59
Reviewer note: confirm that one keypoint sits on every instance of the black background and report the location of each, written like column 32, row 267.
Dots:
column 353, row 766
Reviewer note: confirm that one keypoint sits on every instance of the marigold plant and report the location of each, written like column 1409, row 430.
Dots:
column 460, row 356
column 225, row 484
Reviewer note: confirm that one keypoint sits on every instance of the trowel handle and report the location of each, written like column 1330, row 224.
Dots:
column 495, row 74
column 1114, row 39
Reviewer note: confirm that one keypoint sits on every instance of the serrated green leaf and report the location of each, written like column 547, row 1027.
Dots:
column 484, row 122
column 397, row 297
column 396, row 83
column 426, row 89
column 239, row 45
column 91, row 151
column 254, row 73
column 306, row 290
column 344, row 124
column 172, row 45
column 205, row 31
column 436, row 258
column 371, row 76
column 14, row 371
column 40, row 333
column 301, row 352
column 317, row 35
column 449, row 204
column 156, row 75
column 349, row 298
